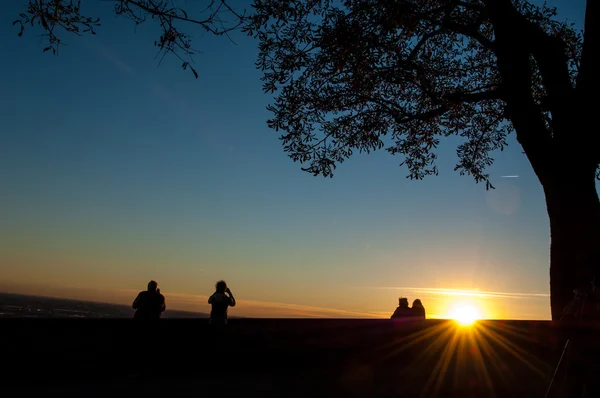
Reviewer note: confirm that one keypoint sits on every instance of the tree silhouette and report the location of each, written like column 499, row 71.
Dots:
column 65, row 16
column 400, row 74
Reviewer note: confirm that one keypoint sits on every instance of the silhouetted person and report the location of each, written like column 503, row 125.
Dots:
column 149, row 304
column 402, row 311
column 417, row 309
column 220, row 301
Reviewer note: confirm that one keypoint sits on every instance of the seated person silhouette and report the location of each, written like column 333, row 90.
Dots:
column 149, row 304
column 417, row 309
column 403, row 311
column 220, row 300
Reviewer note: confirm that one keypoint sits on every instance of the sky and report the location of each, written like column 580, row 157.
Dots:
column 115, row 170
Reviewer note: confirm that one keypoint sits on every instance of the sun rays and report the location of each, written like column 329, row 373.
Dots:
column 439, row 354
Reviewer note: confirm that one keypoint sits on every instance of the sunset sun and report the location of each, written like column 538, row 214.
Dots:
column 465, row 313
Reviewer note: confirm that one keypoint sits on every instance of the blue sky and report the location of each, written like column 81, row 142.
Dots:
column 115, row 170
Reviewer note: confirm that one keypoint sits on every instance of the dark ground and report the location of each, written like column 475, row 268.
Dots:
column 259, row 357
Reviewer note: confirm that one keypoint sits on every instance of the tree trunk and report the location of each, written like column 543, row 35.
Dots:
column 574, row 212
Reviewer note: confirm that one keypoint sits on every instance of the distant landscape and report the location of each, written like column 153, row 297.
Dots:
column 23, row 306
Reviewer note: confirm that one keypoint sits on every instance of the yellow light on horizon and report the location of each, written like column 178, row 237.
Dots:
column 465, row 314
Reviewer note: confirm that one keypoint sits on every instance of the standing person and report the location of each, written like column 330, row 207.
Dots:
column 220, row 300
column 149, row 304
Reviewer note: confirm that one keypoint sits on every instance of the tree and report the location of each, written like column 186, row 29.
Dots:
column 364, row 75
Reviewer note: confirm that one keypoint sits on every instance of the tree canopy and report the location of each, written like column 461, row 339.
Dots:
column 400, row 74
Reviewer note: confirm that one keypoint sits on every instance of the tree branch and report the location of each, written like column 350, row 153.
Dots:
column 587, row 80
column 415, row 51
column 515, row 69
column 206, row 24
column 551, row 56
column 460, row 97
column 448, row 101
column 52, row 15
column 473, row 32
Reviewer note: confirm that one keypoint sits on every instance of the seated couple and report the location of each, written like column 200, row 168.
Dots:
column 404, row 311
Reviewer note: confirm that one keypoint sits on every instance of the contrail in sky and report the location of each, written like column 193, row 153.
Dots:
column 510, row 176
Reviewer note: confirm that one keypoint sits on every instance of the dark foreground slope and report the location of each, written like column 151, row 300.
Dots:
column 257, row 357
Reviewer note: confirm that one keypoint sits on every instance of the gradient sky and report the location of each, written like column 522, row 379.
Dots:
column 115, row 171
